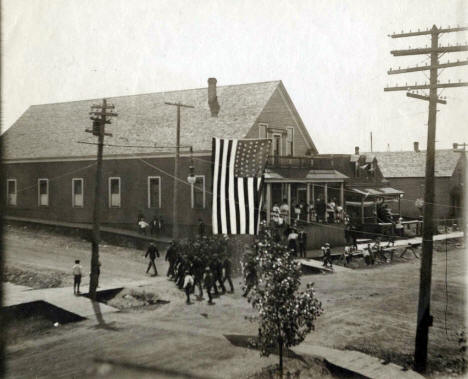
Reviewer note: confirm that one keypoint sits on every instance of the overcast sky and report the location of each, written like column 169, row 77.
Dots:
column 331, row 55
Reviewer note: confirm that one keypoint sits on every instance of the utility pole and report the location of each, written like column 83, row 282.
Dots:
column 424, row 319
column 99, row 114
column 175, row 225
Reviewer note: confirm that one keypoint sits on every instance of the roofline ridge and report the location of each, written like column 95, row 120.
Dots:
column 152, row 93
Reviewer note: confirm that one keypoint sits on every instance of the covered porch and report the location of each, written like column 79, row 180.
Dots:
column 301, row 186
column 362, row 204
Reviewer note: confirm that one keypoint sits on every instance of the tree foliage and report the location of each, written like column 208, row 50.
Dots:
column 285, row 314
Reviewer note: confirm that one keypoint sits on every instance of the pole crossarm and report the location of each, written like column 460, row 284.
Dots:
column 428, row 32
column 107, row 114
column 99, row 106
column 429, row 50
column 426, row 86
column 425, row 68
column 179, row 105
column 421, row 97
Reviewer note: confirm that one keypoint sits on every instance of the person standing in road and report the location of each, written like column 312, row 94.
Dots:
column 152, row 252
column 208, row 283
column 227, row 270
column 77, row 272
column 188, row 284
column 171, row 256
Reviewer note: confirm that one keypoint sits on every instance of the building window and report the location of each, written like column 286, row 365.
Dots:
column 154, row 192
column 276, row 144
column 198, row 192
column 262, row 130
column 77, row 193
column 290, row 142
column 114, row 192
column 43, row 192
column 11, row 192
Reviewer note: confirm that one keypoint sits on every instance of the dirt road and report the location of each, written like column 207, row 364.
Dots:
column 42, row 251
column 371, row 310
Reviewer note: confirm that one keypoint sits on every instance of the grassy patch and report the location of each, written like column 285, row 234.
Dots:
column 34, row 278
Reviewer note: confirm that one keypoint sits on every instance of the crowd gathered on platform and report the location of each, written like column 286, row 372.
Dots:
column 318, row 211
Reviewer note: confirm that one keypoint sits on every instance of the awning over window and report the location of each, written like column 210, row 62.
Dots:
column 359, row 204
column 283, row 175
column 377, row 192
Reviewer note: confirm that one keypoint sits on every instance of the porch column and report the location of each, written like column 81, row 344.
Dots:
column 362, row 210
column 289, row 202
column 399, row 205
column 342, row 194
column 313, row 193
column 325, row 191
column 308, row 202
column 268, row 202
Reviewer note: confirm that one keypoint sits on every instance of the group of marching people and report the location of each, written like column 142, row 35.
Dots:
column 202, row 263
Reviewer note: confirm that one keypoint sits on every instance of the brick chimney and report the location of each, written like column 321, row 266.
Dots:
column 416, row 146
column 356, row 150
column 212, row 98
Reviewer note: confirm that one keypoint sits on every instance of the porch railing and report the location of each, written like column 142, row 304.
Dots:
column 276, row 161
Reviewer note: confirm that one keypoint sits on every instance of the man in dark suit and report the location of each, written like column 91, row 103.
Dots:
column 152, row 252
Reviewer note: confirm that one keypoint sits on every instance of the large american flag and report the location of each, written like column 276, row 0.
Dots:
column 238, row 167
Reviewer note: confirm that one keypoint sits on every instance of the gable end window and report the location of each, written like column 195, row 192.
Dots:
column 198, row 192
column 154, row 192
column 114, row 192
column 43, row 192
column 262, row 130
column 11, row 192
column 77, row 193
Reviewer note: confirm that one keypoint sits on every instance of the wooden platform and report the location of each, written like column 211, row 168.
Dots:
column 316, row 265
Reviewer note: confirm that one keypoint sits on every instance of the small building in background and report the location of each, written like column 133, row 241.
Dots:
column 405, row 170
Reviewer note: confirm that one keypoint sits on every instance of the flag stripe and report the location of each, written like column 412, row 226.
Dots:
column 241, row 205
column 222, row 190
column 232, row 189
column 251, row 205
column 260, row 202
column 215, row 160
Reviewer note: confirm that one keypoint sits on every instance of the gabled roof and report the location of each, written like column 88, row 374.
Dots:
column 53, row 130
column 412, row 164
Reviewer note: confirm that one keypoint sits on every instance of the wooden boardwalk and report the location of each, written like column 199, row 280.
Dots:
column 357, row 362
column 64, row 298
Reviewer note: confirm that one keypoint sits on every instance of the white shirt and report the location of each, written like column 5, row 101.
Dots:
column 143, row 224
column 77, row 269
column 188, row 280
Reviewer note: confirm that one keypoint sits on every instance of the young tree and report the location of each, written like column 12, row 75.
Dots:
column 285, row 315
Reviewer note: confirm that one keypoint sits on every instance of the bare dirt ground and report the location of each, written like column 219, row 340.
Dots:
column 371, row 310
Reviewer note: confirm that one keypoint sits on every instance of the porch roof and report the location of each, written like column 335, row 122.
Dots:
column 302, row 175
column 377, row 192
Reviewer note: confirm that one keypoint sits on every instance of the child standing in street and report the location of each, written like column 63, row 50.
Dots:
column 77, row 272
